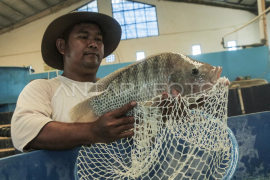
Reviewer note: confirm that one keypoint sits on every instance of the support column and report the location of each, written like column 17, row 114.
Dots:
column 262, row 23
column 105, row 7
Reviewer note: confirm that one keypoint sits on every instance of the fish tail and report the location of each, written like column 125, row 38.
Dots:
column 82, row 112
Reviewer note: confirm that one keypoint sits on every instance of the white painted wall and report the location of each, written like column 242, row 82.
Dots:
column 181, row 25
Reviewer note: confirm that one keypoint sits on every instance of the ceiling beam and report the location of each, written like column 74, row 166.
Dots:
column 219, row 4
column 254, row 3
column 10, row 20
column 42, row 14
column 29, row 5
column 239, row 1
column 17, row 12
column 46, row 3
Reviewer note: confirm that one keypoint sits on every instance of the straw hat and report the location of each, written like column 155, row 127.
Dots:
column 110, row 28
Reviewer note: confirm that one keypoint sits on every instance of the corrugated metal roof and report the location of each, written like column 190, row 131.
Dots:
column 15, row 13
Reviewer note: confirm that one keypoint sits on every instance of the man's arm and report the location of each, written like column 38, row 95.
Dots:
column 110, row 127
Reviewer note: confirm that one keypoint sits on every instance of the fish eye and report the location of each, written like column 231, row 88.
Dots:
column 195, row 71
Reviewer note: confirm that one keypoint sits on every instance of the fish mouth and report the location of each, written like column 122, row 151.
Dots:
column 216, row 75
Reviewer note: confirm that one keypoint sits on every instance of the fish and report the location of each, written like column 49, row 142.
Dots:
column 173, row 73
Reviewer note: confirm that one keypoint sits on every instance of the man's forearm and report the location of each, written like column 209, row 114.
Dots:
column 108, row 128
column 61, row 136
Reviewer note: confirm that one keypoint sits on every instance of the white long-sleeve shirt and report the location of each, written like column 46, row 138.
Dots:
column 43, row 101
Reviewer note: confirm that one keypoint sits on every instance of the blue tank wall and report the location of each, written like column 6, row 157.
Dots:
column 108, row 69
column 12, row 82
column 46, row 75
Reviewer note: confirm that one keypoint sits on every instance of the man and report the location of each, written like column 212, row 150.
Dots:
column 75, row 43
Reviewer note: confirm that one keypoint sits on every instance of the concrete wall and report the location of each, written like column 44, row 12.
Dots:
column 181, row 25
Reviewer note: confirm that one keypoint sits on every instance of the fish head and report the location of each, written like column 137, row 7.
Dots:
column 191, row 76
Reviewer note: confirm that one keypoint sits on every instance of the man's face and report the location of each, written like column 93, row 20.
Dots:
column 84, row 49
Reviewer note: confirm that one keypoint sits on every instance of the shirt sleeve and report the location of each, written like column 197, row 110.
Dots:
column 33, row 111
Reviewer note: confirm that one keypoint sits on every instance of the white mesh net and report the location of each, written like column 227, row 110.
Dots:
column 171, row 141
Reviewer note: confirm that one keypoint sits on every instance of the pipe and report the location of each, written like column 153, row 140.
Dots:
column 240, row 98
column 259, row 5
column 263, row 30
column 264, row 24
column 254, row 19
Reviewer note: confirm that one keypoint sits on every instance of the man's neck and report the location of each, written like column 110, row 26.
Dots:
column 80, row 77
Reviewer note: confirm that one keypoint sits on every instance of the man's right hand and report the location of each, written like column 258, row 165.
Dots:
column 113, row 126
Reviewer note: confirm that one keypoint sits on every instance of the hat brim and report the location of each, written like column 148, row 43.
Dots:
column 111, row 32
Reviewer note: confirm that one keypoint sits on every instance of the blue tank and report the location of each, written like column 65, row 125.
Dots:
column 12, row 82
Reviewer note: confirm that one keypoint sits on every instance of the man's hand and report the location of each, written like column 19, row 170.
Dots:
column 113, row 126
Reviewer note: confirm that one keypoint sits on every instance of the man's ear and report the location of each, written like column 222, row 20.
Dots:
column 61, row 45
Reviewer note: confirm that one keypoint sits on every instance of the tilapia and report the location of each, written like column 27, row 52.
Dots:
column 173, row 73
